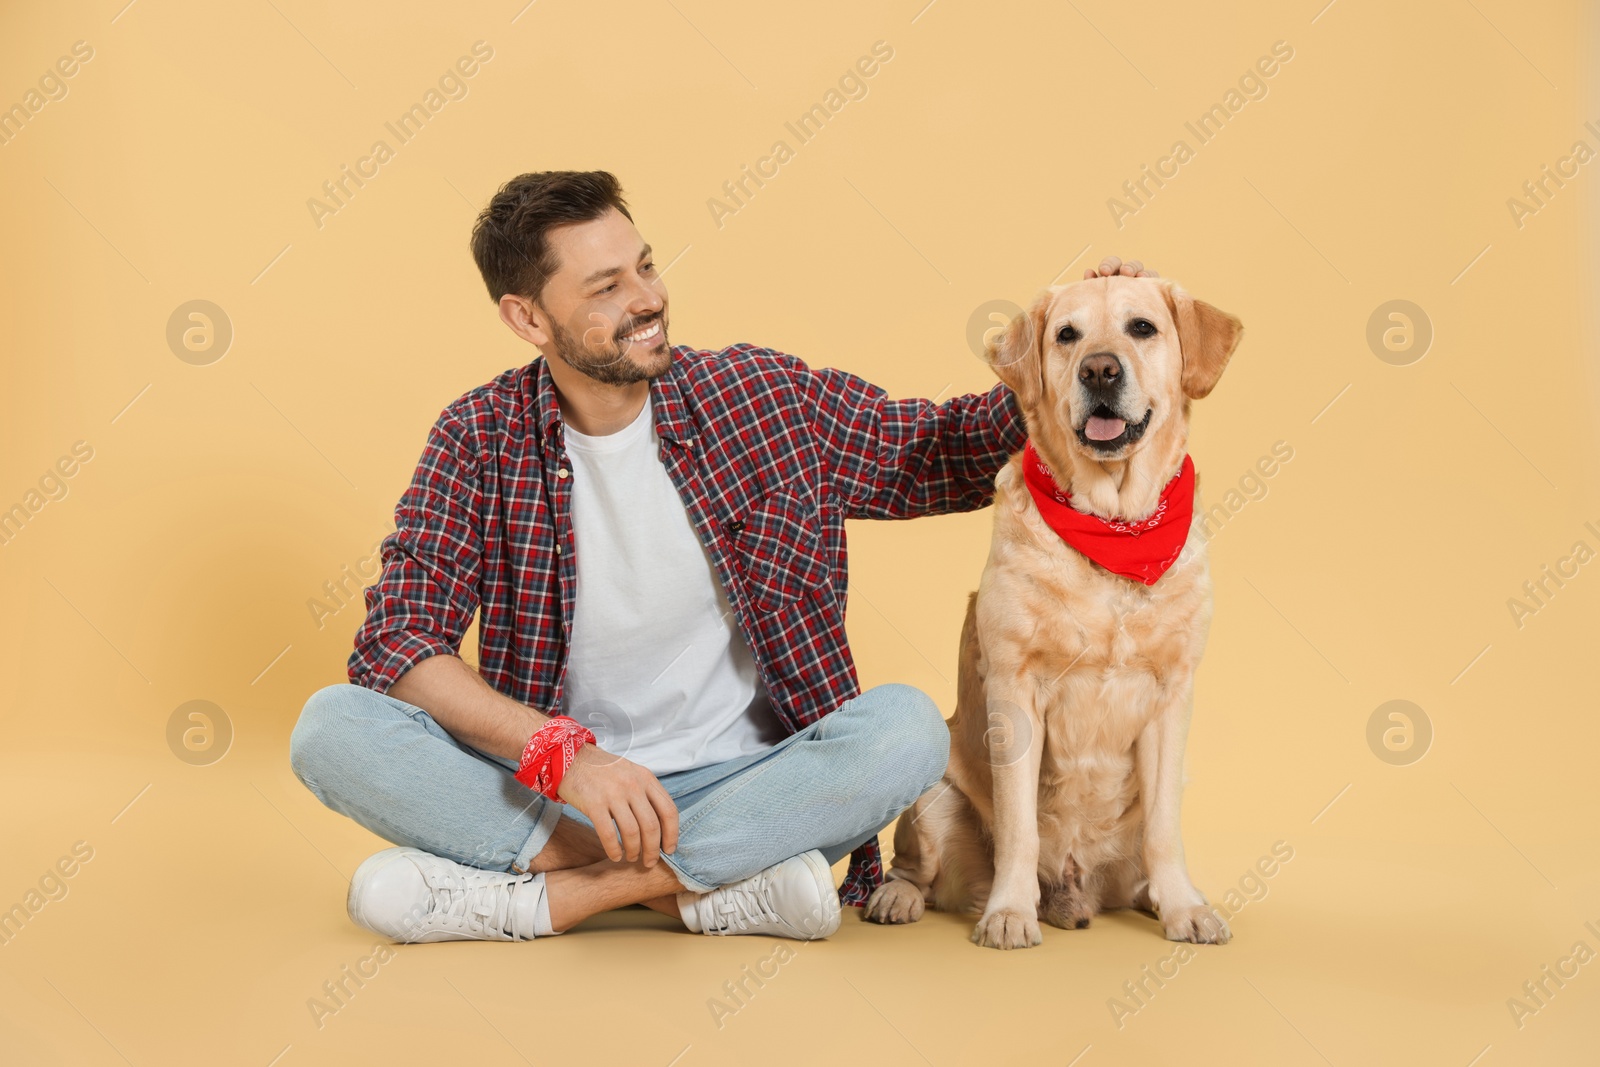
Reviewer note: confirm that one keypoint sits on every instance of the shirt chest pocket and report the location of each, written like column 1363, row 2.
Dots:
column 778, row 542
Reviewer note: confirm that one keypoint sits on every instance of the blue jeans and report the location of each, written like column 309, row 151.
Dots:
column 389, row 766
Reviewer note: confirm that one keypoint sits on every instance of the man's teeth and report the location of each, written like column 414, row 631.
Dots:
column 645, row 334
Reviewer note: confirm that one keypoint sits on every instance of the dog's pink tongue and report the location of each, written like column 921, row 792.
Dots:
column 1102, row 429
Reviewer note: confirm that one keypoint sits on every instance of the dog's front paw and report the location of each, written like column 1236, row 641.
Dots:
column 1005, row 928
column 895, row 901
column 1198, row 923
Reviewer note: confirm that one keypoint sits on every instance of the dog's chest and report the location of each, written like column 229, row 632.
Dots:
column 1098, row 655
column 1060, row 613
column 1096, row 692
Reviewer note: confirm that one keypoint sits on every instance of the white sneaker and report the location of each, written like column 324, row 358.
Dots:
column 795, row 898
column 414, row 896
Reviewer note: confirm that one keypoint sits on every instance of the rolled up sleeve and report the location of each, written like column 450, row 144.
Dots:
column 428, row 591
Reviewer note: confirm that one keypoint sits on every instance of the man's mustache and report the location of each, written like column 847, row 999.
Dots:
column 635, row 327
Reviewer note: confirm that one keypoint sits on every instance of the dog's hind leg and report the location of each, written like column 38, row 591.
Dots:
column 1068, row 904
column 1122, row 883
column 1139, row 899
column 915, row 867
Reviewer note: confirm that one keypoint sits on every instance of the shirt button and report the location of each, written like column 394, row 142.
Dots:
column 562, row 473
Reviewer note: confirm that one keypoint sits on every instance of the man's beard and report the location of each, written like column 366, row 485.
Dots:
column 613, row 364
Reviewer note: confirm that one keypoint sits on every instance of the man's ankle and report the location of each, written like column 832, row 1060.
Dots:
column 577, row 893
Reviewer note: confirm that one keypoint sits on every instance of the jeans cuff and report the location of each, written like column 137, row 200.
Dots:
column 690, row 883
column 543, row 830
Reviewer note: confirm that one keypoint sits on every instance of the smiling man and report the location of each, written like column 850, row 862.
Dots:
column 666, row 711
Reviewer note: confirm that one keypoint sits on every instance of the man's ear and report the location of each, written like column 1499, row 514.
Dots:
column 1017, row 352
column 1207, row 337
column 525, row 318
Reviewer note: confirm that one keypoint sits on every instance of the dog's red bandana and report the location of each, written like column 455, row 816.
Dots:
column 1140, row 550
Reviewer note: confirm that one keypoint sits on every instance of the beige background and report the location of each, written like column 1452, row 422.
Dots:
column 1376, row 567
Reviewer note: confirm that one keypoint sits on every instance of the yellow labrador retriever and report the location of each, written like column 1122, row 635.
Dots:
column 1076, row 676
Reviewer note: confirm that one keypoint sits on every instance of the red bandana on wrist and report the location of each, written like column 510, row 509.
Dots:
column 1140, row 550
column 549, row 752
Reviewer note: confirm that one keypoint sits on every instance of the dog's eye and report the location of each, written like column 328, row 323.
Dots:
column 1142, row 328
column 1066, row 335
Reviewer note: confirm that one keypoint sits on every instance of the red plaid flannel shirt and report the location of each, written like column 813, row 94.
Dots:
column 770, row 457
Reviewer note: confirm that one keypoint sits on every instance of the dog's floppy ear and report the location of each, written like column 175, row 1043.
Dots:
column 1207, row 336
column 1017, row 352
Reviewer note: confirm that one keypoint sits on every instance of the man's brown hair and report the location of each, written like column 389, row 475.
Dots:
column 509, row 239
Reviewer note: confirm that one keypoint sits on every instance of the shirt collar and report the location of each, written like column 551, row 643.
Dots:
column 666, row 399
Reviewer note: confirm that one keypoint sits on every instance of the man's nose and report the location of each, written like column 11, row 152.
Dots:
column 1100, row 372
column 649, row 295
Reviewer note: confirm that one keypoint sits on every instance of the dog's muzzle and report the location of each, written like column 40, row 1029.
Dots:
column 1107, row 429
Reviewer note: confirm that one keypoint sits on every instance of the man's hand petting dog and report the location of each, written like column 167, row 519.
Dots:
column 633, row 814
column 1112, row 265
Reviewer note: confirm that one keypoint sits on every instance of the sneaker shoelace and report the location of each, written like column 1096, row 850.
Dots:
column 477, row 900
column 746, row 908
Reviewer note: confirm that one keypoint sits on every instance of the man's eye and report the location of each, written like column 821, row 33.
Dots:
column 1142, row 328
column 1066, row 335
column 648, row 266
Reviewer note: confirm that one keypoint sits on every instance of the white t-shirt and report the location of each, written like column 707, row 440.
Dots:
column 657, row 666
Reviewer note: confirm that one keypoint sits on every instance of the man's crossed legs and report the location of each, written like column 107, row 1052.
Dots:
column 484, row 856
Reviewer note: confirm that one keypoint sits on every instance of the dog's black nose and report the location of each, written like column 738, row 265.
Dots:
column 1101, row 372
